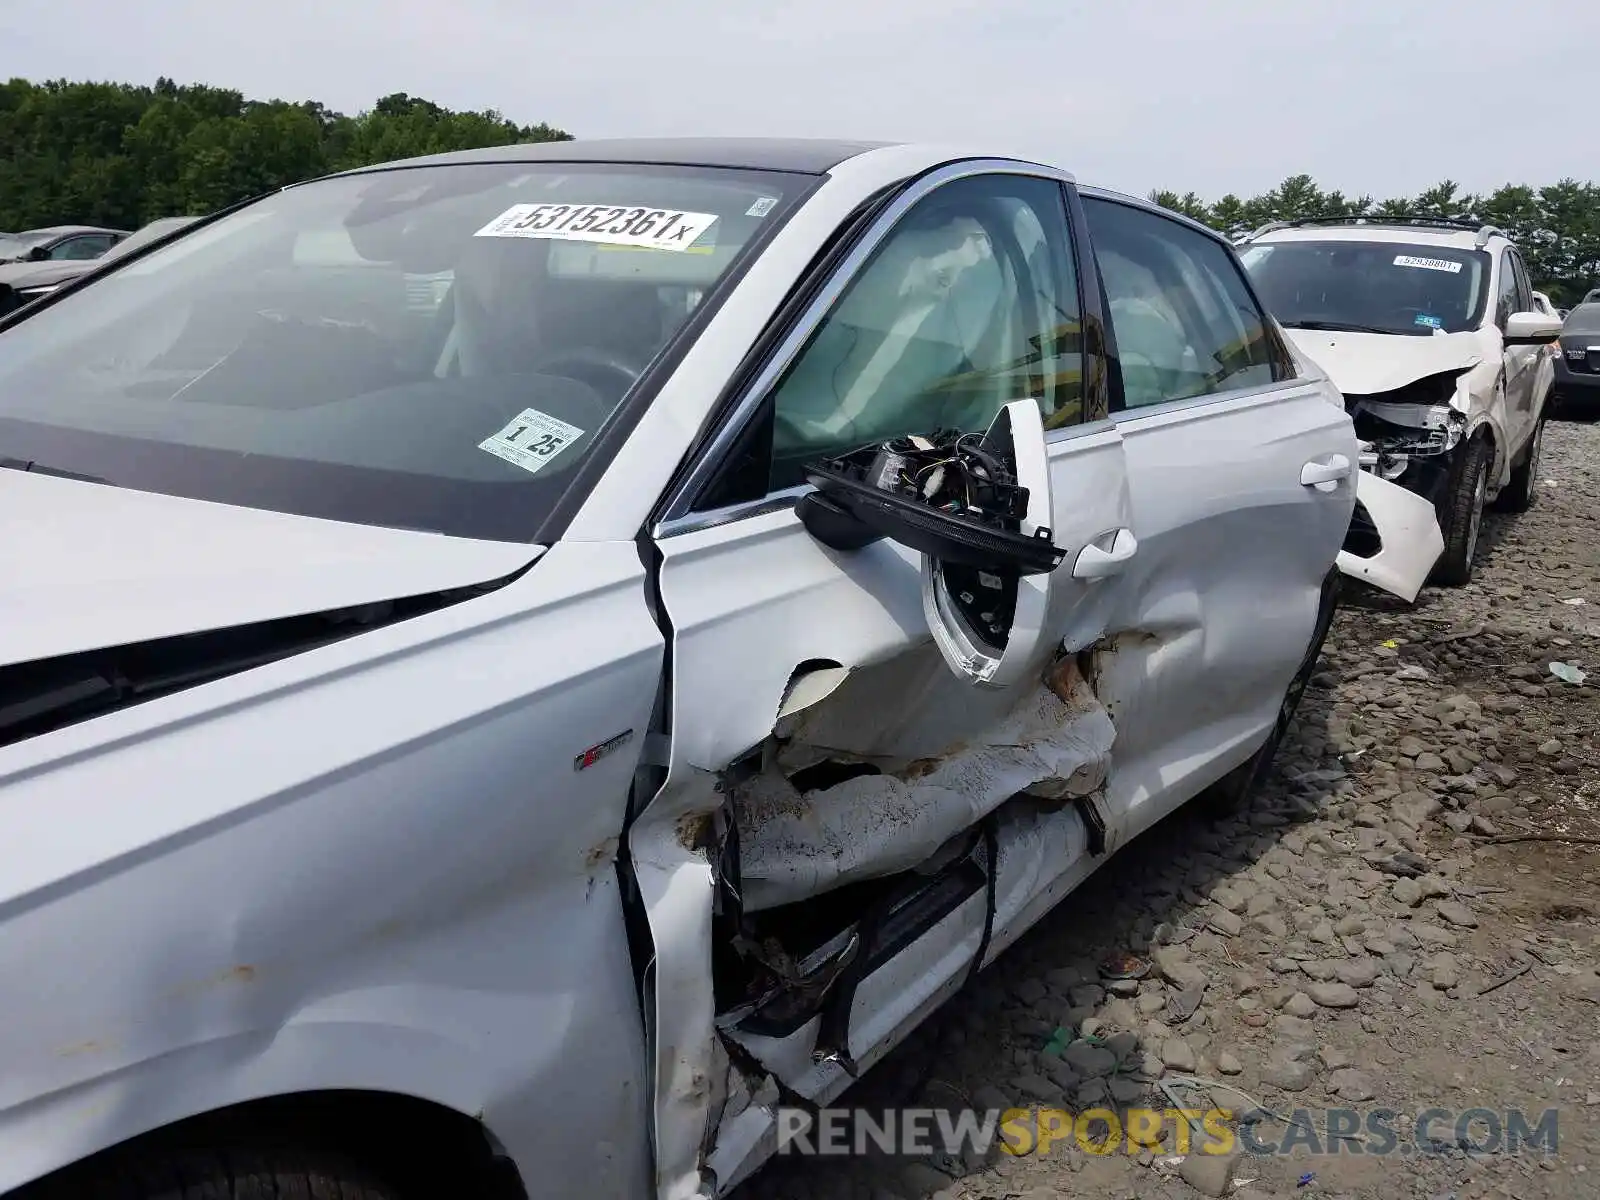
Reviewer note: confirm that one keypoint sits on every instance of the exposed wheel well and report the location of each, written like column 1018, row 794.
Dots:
column 422, row 1148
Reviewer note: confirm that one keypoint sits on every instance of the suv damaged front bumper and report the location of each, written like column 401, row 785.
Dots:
column 1394, row 537
column 1409, row 444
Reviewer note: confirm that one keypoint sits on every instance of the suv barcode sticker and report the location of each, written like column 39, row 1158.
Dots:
column 1427, row 264
column 611, row 224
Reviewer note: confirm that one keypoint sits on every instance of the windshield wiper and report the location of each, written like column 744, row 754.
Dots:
column 1342, row 327
column 22, row 464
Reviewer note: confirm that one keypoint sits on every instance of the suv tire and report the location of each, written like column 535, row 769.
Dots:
column 1463, row 515
column 1523, row 489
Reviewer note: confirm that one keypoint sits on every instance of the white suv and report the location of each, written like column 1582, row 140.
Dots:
column 1430, row 329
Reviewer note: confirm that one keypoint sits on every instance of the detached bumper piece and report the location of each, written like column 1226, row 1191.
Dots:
column 1394, row 538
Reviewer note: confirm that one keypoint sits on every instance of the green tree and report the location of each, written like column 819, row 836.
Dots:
column 123, row 154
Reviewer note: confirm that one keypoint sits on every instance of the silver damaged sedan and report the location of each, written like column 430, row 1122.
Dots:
column 515, row 664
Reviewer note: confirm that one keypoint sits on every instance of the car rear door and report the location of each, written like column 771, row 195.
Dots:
column 1243, row 489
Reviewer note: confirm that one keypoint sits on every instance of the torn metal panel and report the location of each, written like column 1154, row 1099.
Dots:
column 795, row 845
column 891, row 714
column 1044, row 852
column 677, row 886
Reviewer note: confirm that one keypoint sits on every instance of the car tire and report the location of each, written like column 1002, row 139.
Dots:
column 183, row 1175
column 1463, row 515
column 1233, row 790
column 1523, row 489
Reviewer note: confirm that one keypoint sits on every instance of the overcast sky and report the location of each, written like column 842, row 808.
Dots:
column 1372, row 96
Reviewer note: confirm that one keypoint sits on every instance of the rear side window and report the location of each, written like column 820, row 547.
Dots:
column 1183, row 317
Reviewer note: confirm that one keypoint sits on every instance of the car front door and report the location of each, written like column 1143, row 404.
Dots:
column 1243, row 489
column 846, row 769
column 1521, row 362
column 1536, row 363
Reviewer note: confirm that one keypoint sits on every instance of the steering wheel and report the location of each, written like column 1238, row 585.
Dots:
column 600, row 369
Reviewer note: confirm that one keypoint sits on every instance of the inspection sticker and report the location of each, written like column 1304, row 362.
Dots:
column 615, row 225
column 1427, row 319
column 531, row 440
column 1428, row 264
column 762, row 207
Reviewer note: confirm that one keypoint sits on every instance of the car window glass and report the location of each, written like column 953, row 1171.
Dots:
column 970, row 302
column 1184, row 320
column 80, row 248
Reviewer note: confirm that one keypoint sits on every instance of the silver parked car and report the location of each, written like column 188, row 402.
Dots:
column 516, row 661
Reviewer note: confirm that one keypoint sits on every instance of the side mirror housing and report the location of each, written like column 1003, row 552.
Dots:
column 1531, row 329
column 38, row 254
column 951, row 496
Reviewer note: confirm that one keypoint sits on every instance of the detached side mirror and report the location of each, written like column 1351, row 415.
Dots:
column 1531, row 329
column 954, row 497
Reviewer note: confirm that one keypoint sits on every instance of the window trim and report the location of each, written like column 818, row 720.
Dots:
column 678, row 515
column 1119, row 402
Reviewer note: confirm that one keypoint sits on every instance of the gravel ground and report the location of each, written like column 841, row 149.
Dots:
column 1367, row 935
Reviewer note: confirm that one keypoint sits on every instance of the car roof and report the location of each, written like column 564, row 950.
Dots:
column 806, row 156
column 1381, row 231
column 46, row 232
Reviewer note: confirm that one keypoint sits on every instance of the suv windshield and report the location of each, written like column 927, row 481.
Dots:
column 429, row 347
column 1369, row 287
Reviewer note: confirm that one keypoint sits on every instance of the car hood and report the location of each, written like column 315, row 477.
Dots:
column 1362, row 364
column 88, row 565
column 26, row 274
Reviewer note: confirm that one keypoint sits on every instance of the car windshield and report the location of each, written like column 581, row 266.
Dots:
column 431, row 348
column 11, row 246
column 1583, row 319
column 1369, row 287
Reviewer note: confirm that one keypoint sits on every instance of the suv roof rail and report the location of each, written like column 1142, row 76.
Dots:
column 1267, row 228
column 1484, row 232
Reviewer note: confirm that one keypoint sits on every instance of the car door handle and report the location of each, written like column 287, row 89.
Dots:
column 1095, row 563
column 1328, row 470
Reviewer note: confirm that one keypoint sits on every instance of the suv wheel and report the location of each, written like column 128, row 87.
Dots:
column 1463, row 518
column 1523, row 489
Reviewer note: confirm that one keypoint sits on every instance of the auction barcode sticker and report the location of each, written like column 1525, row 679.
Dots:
column 531, row 440
column 616, row 225
column 1428, row 264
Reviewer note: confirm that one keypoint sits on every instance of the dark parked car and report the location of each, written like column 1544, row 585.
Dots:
column 57, row 243
column 21, row 283
column 1578, row 365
